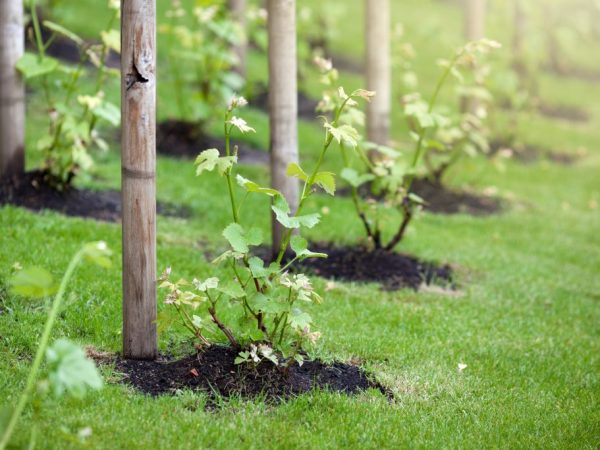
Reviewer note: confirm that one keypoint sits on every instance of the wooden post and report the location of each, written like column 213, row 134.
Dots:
column 474, row 19
column 283, row 103
column 520, row 29
column 12, row 90
column 378, row 69
column 138, row 165
column 238, row 13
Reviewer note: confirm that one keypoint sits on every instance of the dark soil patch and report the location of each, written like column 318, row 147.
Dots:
column 306, row 105
column 65, row 49
column 186, row 140
column 580, row 73
column 32, row 192
column 393, row 270
column 442, row 200
column 213, row 371
column 346, row 63
column 529, row 154
column 564, row 112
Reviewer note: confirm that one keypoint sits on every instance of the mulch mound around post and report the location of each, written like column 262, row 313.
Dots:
column 443, row 200
column 185, row 140
column 392, row 270
column 32, row 192
column 306, row 105
column 530, row 154
column 564, row 112
column 213, row 372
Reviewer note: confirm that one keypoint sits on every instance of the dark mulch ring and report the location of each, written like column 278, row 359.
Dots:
column 581, row 73
column 186, row 140
column 306, row 105
column 393, row 270
column 65, row 49
column 443, row 200
column 564, row 112
column 32, row 192
column 346, row 63
column 213, row 371
column 529, row 154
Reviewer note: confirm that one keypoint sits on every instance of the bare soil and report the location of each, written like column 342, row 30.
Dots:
column 213, row 371
column 31, row 191
column 186, row 140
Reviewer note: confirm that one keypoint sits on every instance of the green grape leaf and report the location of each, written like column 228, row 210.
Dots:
column 344, row 133
column 232, row 289
column 209, row 159
column 354, row 179
column 282, row 213
column 294, row 170
column 300, row 247
column 299, row 319
column 112, row 40
column 251, row 186
column 70, row 370
column 98, row 253
column 240, row 239
column 33, row 282
column 109, row 112
column 327, row 181
column 59, row 29
column 31, row 65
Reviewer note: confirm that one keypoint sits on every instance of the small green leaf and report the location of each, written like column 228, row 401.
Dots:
column 209, row 159
column 112, row 39
column 33, row 282
column 31, row 65
column 70, row 370
column 63, row 31
column 232, row 289
column 344, row 133
column 109, row 112
column 299, row 319
column 327, row 181
column 251, row 186
column 98, row 253
column 240, row 239
column 267, row 305
column 294, row 170
column 300, row 247
column 354, row 179
column 282, row 213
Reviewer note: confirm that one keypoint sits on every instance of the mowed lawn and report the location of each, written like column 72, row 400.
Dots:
column 525, row 319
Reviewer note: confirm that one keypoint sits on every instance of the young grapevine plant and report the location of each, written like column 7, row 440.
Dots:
column 73, row 115
column 439, row 141
column 274, row 323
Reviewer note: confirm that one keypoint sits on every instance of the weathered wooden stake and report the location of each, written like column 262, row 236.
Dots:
column 12, row 90
column 283, row 103
column 474, row 19
column 378, row 69
column 238, row 12
column 138, row 165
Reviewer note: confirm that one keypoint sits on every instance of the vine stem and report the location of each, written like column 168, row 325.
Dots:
column 310, row 180
column 56, row 304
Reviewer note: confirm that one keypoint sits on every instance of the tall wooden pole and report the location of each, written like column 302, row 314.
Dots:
column 378, row 69
column 283, row 103
column 520, row 30
column 12, row 90
column 138, row 165
column 474, row 19
column 238, row 13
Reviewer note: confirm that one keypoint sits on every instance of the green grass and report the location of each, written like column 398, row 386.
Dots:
column 526, row 322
